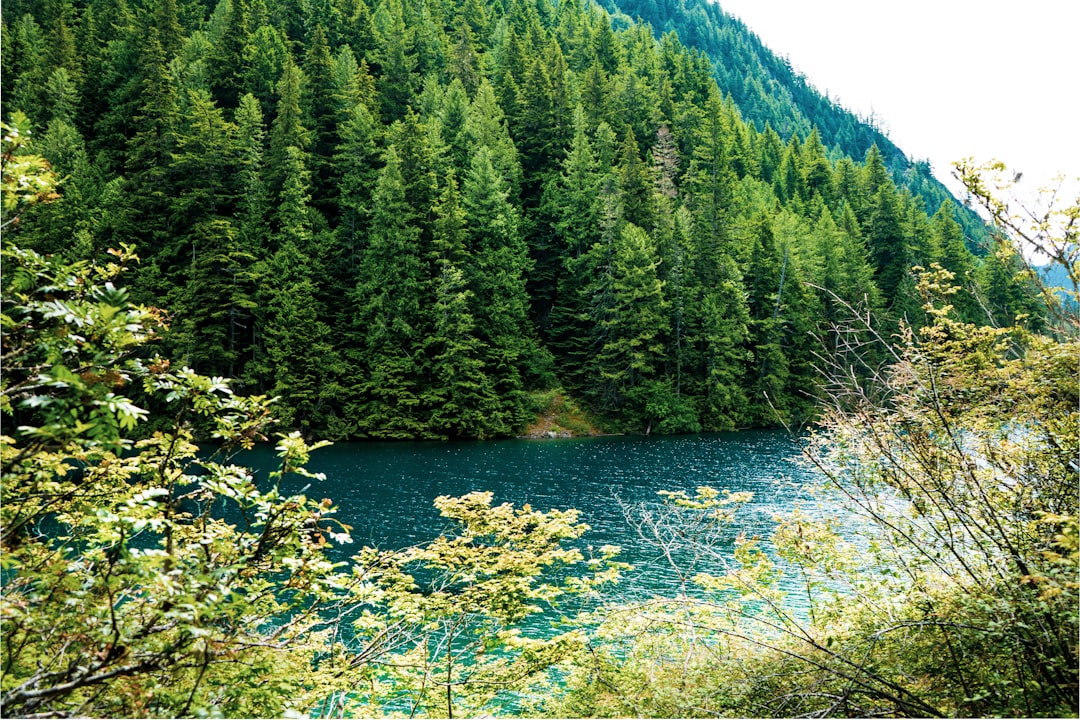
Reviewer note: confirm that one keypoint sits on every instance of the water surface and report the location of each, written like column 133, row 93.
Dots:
column 385, row 490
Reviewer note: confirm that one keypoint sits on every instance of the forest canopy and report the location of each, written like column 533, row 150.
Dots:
column 417, row 219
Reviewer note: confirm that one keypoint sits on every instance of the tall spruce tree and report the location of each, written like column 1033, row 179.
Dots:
column 496, row 273
column 628, row 368
column 288, row 129
column 386, row 368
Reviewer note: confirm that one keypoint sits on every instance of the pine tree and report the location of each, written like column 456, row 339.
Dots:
column 252, row 196
column 167, row 22
column 462, row 396
column 396, row 60
column 766, row 283
column 297, row 360
column 145, row 216
column 228, row 64
column 356, row 162
column 265, row 56
column 575, row 199
column 597, row 95
column 288, row 129
column 210, row 263
column 541, row 128
column 464, row 401
column 815, row 168
column 724, row 320
column 293, row 214
column 635, row 185
column 25, row 54
column 390, row 324
column 359, row 29
column 949, row 236
column 1006, row 292
column 637, row 104
column 486, row 125
column 496, row 274
column 213, row 333
column 452, row 118
column 321, row 121
column 628, row 367
column 884, row 233
column 464, row 59
column 709, row 184
column 60, row 40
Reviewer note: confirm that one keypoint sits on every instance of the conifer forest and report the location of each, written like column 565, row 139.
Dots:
column 236, row 221
column 407, row 219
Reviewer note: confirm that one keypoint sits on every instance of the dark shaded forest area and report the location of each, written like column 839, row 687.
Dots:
column 412, row 219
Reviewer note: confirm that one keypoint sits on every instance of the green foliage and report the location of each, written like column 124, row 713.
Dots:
column 208, row 140
column 947, row 585
column 127, row 591
column 27, row 179
column 467, row 594
column 146, row 576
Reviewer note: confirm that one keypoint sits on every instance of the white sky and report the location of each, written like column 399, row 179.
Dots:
column 947, row 78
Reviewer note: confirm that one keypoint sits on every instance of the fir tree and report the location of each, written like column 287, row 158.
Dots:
column 288, row 129
column 390, row 322
column 629, row 364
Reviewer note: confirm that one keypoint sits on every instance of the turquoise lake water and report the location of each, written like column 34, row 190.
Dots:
column 385, row 490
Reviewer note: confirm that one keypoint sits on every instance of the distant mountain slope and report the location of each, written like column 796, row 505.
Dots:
column 767, row 89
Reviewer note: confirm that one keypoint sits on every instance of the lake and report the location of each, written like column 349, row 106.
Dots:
column 385, row 490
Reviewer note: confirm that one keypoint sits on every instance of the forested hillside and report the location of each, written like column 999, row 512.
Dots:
column 410, row 218
column 768, row 90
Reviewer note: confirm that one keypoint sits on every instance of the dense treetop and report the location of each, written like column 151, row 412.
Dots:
column 407, row 218
column 425, row 219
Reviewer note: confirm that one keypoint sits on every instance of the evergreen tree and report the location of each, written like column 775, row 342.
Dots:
column 575, row 197
column 252, row 197
column 486, row 125
column 359, row 29
column 597, row 95
column 465, row 61
column 452, row 118
column 496, row 273
column 464, row 400
column 635, row 185
column 629, row 365
column 709, row 181
column 815, row 168
column 396, row 60
column 297, row 360
column 766, row 283
column 60, row 39
column 845, row 274
column 229, row 57
column 320, row 114
column 463, row 397
column 265, row 55
column 356, row 162
column 389, row 328
column 288, row 129
column 167, row 22
column 1006, row 295
column 25, row 61
column 145, row 215
column 884, row 233
column 637, row 104
column 293, row 214
column 723, row 319
column 949, row 236
column 541, row 128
